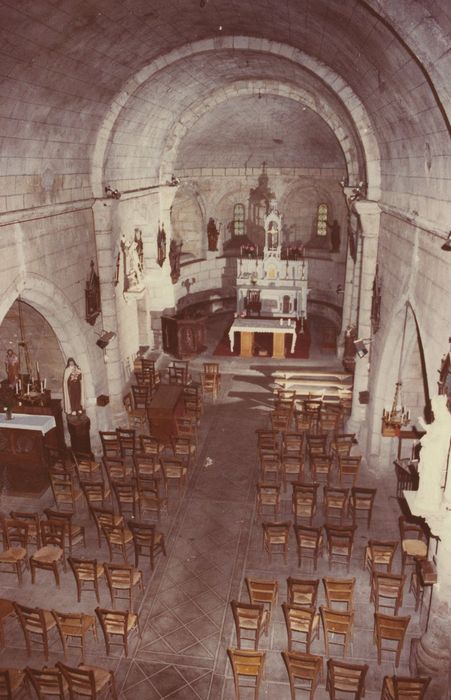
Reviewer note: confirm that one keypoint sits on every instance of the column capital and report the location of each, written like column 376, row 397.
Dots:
column 367, row 207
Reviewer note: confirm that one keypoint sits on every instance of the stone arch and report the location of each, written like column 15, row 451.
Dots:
column 46, row 298
column 330, row 78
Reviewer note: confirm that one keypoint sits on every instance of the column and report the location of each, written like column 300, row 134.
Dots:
column 369, row 213
column 103, row 211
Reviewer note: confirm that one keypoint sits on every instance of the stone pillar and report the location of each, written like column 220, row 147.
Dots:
column 103, row 211
column 369, row 213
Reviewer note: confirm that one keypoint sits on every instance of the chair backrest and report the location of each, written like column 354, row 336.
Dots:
column 143, row 533
column 47, row 681
column 349, row 468
column 247, row 667
column 405, row 688
column 391, row 628
column 299, row 622
column 15, row 532
column 267, row 439
column 262, row 591
column 268, row 494
column 362, row 499
column 33, row 521
column 141, row 395
column 81, row 681
column 276, row 533
column 305, row 667
column 53, row 532
column 83, row 569
column 346, row 677
column 339, row 591
column 11, row 680
column 412, row 529
column 293, row 442
column 150, row 444
column 340, row 540
column 308, row 537
column 342, row 444
column 302, row 592
column 211, row 368
column 380, row 553
column 335, row 500
column 387, row 587
column 249, row 621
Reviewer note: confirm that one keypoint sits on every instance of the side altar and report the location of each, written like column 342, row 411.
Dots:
column 272, row 287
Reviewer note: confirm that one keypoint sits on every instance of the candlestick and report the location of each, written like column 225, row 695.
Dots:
column 45, row 383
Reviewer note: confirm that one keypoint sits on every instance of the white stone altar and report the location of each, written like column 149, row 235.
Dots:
column 256, row 325
column 283, row 284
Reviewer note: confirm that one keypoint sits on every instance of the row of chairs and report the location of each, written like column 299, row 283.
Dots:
column 305, row 672
column 58, row 681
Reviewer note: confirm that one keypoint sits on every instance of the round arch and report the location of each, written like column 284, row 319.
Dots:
column 329, row 78
column 46, row 298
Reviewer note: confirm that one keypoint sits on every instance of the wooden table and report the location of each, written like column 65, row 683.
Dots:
column 247, row 327
column 165, row 405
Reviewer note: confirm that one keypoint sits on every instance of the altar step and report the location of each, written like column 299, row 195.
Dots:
column 333, row 386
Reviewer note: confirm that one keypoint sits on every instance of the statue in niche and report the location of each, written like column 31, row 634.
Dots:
column 139, row 246
column 133, row 272
column 12, row 368
column 161, row 245
column 92, row 296
column 434, row 454
column 175, row 251
column 212, row 234
column 273, row 235
column 73, row 393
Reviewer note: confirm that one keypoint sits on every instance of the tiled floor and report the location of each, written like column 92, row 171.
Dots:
column 213, row 540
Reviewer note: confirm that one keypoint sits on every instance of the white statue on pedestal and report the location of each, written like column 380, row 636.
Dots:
column 434, row 456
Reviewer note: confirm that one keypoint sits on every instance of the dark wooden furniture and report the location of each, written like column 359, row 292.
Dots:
column 183, row 337
column 79, row 433
column 164, row 406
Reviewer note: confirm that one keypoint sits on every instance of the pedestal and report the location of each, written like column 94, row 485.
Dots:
column 278, row 346
column 247, row 343
column 79, row 433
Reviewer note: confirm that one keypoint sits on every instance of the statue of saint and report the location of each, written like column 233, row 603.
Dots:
column 334, row 236
column 12, row 368
column 213, row 234
column 73, row 394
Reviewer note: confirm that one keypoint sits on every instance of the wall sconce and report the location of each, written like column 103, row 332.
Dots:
column 360, row 346
column 112, row 194
column 105, row 338
column 447, row 243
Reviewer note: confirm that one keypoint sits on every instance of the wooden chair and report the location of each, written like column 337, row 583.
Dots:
column 127, row 441
column 302, row 592
column 116, row 469
column 36, row 625
column 293, row 444
column 414, row 541
column 150, row 498
column 341, row 445
column 307, row 668
column 52, row 553
column 105, row 516
column 379, row 553
column 193, row 401
column 117, row 538
column 329, row 419
column 14, row 557
column 75, row 533
column 404, row 688
column 89, row 681
column 263, row 592
column 11, row 683
column 339, row 592
column 280, row 420
column 267, row 440
column 186, row 427
column 211, row 378
column 151, row 445
column 247, row 668
column 291, row 467
column 251, row 621
column 142, row 395
column 320, row 467
column 252, row 302
column 96, row 493
column 117, row 626
column 178, row 372
column 391, row 629
column 304, row 500
column 268, row 496
column 6, row 612
column 311, row 409
column 302, row 421
column 137, row 417
column 348, row 469
column 335, row 502
column 275, row 534
column 127, row 497
column 417, row 585
column 340, row 541
column 122, row 578
column 302, row 625
column 337, row 624
column 87, row 573
column 147, row 541
column 174, row 471
column 270, row 465
column 110, row 443
column 74, row 626
column 183, row 449
column 66, row 492
column 33, row 520
column 361, row 501
column 309, row 542
column 86, row 467
column 46, row 682
column 347, row 678
column 387, row 591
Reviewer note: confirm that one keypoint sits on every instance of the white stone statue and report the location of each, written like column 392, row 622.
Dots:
column 133, row 271
column 434, row 455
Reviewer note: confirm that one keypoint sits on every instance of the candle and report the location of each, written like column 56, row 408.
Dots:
column 17, row 387
column 45, row 383
column 28, row 388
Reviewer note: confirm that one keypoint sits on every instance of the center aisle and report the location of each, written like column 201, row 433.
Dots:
column 185, row 615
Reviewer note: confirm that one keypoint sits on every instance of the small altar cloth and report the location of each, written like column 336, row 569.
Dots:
column 22, row 421
column 256, row 325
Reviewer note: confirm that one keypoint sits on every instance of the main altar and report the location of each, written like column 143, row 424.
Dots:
column 277, row 287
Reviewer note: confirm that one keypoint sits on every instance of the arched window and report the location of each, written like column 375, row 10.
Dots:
column 238, row 220
column 321, row 220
